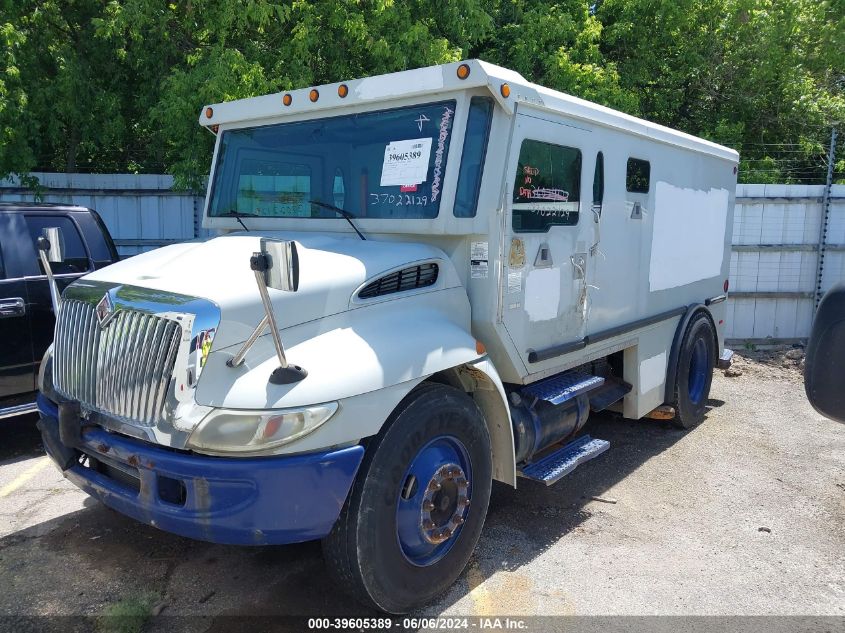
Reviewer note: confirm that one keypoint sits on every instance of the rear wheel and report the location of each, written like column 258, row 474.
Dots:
column 696, row 360
column 418, row 505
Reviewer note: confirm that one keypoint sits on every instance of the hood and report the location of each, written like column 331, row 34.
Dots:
column 331, row 269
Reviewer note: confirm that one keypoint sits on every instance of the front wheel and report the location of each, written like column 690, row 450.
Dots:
column 418, row 505
column 696, row 360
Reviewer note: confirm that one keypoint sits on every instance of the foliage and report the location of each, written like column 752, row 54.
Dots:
column 116, row 85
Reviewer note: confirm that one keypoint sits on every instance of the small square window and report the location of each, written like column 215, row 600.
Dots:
column 639, row 173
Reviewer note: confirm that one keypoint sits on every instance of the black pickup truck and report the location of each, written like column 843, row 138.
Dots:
column 26, row 313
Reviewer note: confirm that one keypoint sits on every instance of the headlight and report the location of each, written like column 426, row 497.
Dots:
column 238, row 431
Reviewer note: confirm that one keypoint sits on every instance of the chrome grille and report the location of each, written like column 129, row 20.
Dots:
column 123, row 369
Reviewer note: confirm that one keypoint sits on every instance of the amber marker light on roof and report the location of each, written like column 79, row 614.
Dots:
column 342, row 91
column 287, row 99
column 505, row 90
column 463, row 71
column 209, row 112
column 313, row 95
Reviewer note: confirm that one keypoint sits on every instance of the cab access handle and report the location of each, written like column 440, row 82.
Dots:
column 13, row 307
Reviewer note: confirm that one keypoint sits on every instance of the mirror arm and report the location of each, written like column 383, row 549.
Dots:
column 238, row 359
column 55, row 295
column 285, row 373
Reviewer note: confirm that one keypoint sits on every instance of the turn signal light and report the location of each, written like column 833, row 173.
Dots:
column 505, row 90
column 342, row 91
column 287, row 100
column 313, row 95
column 209, row 112
column 479, row 348
column 463, row 71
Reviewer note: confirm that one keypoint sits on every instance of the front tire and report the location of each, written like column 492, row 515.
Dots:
column 416, row 510
column 694, row 376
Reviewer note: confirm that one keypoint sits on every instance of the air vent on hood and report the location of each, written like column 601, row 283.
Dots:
column 406, row 279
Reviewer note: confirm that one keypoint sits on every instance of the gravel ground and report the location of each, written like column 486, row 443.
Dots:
column 744, row 515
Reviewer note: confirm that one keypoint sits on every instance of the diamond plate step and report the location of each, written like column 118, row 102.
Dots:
column 564, row 387
column 563, row 461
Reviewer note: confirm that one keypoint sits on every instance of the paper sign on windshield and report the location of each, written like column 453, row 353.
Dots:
column 406, row 162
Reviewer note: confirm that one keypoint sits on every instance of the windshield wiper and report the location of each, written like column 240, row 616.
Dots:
column 238, row 215
column 341, row 212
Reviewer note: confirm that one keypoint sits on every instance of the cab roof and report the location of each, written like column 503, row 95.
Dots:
column 433, row 80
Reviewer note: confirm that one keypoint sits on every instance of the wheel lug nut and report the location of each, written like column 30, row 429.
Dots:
column 465, row 502
column 435, row 485
column 428, row 506
column 446, row 533
column 428, row 524
column 457, row 519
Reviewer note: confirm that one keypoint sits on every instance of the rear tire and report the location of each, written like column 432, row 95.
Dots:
column 401, row 540
column 694, row 376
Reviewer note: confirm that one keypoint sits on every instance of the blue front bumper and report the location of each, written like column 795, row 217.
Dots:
column 246, row 501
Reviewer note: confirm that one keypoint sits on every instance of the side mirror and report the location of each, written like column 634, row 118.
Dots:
column 282, row 264
column 824, row 366
column 53, row 243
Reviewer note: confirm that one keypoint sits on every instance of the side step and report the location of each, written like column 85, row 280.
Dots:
column 563, row 387
column 563, row 461
column 613, row 390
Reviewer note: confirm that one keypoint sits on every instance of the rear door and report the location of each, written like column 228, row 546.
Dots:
column 16, row 358
column 548, row 239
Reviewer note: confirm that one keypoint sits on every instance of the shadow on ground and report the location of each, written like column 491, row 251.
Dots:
column 19, row 439
column 96, row 557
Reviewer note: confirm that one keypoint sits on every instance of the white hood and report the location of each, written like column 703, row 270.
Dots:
column 331, row 269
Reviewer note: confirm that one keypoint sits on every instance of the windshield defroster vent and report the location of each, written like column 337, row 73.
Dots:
column 409, row 278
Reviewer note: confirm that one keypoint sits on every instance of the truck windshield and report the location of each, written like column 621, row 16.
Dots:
column 385, row 164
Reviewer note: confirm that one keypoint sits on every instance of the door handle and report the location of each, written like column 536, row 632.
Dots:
column 12, row 307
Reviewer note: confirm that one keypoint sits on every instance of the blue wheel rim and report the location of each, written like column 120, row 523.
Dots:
column 699, row 366
column 421, row 530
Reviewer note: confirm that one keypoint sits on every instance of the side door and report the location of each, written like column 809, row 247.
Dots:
column 77, row 262
column 548, row 239
column 16, row 358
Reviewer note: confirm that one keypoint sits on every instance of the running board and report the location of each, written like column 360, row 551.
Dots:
column 563, row 461
column 21, row 409
column 613, row 390
column 563, row 387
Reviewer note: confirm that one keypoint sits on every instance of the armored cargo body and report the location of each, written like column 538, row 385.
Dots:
column 421, row 282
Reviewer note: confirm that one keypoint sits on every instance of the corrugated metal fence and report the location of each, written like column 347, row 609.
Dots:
column 141, row 211
column 775, row 272
column 788, row 247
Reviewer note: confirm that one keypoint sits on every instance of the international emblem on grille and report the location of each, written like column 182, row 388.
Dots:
column 105, row 310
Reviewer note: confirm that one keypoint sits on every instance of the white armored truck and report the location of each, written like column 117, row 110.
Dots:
column 421, row 282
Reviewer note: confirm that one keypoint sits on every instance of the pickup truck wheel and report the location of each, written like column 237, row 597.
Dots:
column 695, row 372
column 416, row 511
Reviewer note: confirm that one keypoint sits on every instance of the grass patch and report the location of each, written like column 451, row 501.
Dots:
column 128, row 614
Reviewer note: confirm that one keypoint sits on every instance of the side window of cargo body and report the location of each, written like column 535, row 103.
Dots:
column 638, row 175
column 547, row 187
column 598, row 184
column 472, row 158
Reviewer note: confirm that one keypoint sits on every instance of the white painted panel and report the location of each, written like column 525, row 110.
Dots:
column 688, row 239
column 542, row 294
column 652, row 372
